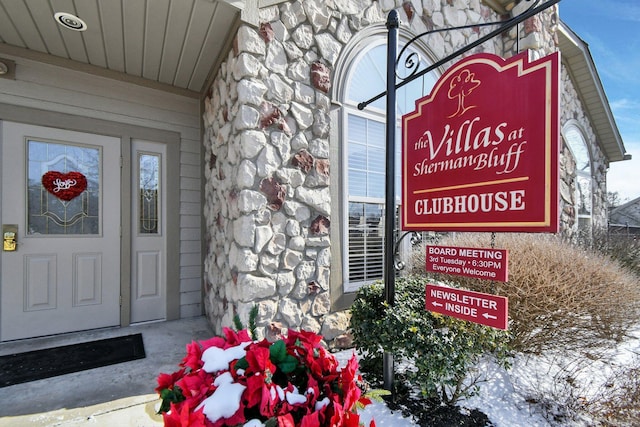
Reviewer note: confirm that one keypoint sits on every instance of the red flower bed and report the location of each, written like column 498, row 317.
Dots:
column 233, row 381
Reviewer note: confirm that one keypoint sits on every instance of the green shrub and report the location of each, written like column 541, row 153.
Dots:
column 440, row 351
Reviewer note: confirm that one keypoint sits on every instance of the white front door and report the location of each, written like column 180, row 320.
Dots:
column 61, row 190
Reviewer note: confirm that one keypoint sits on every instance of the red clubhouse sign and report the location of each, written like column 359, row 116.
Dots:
column 480, row 153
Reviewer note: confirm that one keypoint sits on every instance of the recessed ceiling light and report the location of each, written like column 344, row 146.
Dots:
column 70, row 21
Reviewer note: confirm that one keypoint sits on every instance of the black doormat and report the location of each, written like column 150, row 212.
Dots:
column 51, row 362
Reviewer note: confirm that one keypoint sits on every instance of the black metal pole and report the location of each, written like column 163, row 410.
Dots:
column 393, row 23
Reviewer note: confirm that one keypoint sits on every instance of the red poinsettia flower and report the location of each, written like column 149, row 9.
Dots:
column 314, row 419
column 307, row 337
column 327, row 361
column 167, row 381
column 236, row 338
column 182, row 416
column 291, row 400
column 196, row 387
column 259, row 376
column 193, row 359
column 269, row 400
column 231, row 339
column 337, row 414
column 294, row 381
column 286, row 421
column 351, row 391
column 351, row 419
column 313, row 391
column 219, row 342
column 322, row 364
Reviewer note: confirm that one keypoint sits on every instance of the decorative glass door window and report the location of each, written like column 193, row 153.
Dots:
column 149, row 180
column 63, row 189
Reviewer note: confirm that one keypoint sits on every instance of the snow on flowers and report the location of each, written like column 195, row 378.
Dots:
column 234, row 381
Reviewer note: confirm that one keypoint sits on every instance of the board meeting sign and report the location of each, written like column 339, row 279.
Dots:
column 480, row 152
column 478, row 263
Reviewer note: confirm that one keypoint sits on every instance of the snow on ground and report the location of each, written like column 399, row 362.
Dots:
column 501, row 402
column 498, row 399
column 383, row 416
column 503, row 394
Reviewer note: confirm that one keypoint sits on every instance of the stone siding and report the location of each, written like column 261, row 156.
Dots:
column 267, row 139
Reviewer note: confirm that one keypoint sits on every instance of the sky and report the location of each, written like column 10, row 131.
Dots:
column 610, row 28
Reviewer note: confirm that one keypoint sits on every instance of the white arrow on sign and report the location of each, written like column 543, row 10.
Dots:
column 437, row 304
column 488, row 316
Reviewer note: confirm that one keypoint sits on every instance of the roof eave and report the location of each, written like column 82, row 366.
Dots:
column 577, row 57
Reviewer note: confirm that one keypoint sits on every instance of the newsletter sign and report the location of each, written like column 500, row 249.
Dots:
column 477, row 307
column 480, row 153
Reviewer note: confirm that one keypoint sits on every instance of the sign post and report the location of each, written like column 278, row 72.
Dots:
column 393, row 22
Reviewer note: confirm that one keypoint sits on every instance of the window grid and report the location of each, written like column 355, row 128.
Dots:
column 584, row 183
column 366, row 172
column 365, row 153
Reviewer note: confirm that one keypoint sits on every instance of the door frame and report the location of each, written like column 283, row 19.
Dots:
column 126, row 133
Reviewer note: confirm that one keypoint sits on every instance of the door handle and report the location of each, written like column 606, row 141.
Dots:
column 9, row 237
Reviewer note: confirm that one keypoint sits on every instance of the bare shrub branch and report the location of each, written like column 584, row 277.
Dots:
column 617, row 403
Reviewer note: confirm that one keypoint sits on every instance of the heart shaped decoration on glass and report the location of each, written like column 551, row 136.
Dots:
column 65, row 186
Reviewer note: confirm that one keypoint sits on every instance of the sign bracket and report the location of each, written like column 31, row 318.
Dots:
column 504, row 26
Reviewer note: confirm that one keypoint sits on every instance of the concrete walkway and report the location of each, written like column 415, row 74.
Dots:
column 119, row 395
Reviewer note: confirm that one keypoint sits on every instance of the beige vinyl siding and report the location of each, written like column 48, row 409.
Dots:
column 153, row 114
column 191, row 227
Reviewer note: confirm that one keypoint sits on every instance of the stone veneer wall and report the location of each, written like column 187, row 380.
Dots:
column 267, row 141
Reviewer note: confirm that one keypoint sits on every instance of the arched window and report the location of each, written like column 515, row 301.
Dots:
column 363, row 146
column 575, row 140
